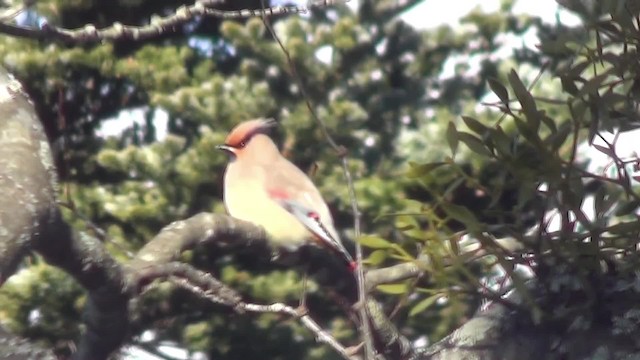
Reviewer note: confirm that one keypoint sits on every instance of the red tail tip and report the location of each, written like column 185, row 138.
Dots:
column 353, row 266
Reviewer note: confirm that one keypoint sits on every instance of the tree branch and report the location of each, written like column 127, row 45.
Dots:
column 86, row 259
column 27, row 176
column 212, row 288
column 207, row 287
column 16, row 348
column 31, row 219
column 393, row 344
column 158, row 25
column 200, row 229
column 395, row 273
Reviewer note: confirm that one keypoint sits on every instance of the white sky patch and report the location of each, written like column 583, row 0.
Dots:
column 325, row 54
column 542, row 9
column 420, row 342
column 127, row 118
column 34, row 317
column 547, row 10
column 370, row 141
column 430, row 14
column 626, row 148
column 174, row 352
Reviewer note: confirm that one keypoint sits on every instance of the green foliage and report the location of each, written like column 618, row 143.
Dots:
column 42, row 302
column 529, row 149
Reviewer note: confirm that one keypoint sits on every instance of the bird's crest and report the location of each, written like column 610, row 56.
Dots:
column 241, row 134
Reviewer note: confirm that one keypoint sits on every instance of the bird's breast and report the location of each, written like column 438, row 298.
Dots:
column 248, row 200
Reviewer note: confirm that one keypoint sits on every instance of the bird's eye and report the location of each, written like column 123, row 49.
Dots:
column 242, row 144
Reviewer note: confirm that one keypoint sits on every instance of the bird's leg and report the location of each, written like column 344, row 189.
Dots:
column 303, row 297
column 284, row 256
column 275, row 255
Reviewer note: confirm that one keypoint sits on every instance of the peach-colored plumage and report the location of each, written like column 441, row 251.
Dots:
column 263, row 187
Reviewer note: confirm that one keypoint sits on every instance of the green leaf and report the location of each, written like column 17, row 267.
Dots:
column 603, row 201
column 419, row 170
column 568, row 85
column 475, row 125
column 453, row 186
column 576, row 70
column 462, row 214
column 557, row 47
column 424, row 304
column 501, row 141
column 525, row 130
column 417, row 234
column 526, row 192
column 376, row 258
column 526, row 101
column 374, row 242
column 548, row 121
column 558, row 138
column 452, row 137
column 500, row 90
column 395, row 289
column 593, row 84
column 406, row 222
column 605, row 150
column 624, row 228
column 454, row 243
column 474, row 144
column 625, row 208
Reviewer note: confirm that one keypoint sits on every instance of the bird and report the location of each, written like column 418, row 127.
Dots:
column 262, row 187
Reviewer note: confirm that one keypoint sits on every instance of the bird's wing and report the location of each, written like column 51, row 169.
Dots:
column 311, row 220
column 294, row 184
column 297, row 194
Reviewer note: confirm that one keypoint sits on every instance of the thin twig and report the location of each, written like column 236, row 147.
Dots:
column 277, row 308
column 321, row 335
column 342, row 153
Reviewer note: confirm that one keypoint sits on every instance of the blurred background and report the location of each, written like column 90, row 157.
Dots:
column 134, row 126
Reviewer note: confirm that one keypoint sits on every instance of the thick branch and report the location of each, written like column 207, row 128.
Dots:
column 16, row 348
column 30, row 219
column 395, row 273
column 393, row 344
column 27, row 181
column 199, row 229
column 86, row 259
column 496, row 333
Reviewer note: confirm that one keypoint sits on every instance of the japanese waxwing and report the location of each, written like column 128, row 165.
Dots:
column 262, row 187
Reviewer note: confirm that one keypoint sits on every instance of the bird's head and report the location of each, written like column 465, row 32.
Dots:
column 249, row 137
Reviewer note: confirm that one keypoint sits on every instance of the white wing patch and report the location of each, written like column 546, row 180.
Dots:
column 311, row 220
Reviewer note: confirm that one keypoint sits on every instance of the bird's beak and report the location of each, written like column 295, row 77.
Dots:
column 226, row 148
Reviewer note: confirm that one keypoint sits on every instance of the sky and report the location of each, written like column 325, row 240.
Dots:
column 432, row 13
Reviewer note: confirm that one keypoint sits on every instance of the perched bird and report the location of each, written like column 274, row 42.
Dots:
column 262, row 187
